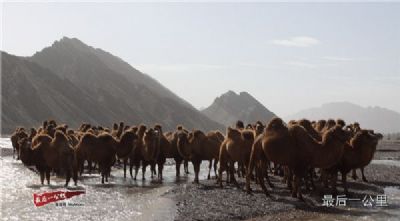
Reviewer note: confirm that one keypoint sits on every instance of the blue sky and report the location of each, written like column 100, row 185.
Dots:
column 290, row 56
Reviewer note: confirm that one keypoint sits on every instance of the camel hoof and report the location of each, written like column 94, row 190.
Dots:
column 365, row 180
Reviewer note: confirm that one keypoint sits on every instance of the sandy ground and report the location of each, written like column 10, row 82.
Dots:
column 207, row 201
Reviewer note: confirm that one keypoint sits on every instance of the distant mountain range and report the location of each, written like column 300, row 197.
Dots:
column 377, row 118
column 73, row 83
column 230, row 107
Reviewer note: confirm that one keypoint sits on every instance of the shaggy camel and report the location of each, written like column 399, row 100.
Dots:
column 100, row 149
column 196, row 147
column 146, row 152
column 235, row 148
column 357, row 154
column 172, row 150
column 54, row 153
column 125, row 145
column 295, row 148
column 368, row 158
column 18, row 134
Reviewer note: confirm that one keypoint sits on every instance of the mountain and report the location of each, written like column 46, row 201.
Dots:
column 377, row 118
column 74, row 83
column 231, row 107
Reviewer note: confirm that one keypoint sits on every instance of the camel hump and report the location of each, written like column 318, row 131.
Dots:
column 198, row 134
column 41, row 139
column 232, row 133
column 276, row 123
column 60, row 136
column 248, row 134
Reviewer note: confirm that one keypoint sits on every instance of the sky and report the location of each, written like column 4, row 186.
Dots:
column 289, row 56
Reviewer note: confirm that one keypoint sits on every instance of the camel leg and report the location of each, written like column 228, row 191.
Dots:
column 232, row 174
column 131, row 167
column 125, row 163
column 144, row 165
column 334, row 183
column 89, row 166
column 48, row 176
column 42, row 177
column 67, row 176
column 196, row 166
column 261, row 180
column 215, row 167
column 222, row 166
column 354, row 174
column 344, row 182
column 363, row 176
column 102, row 172
column 75, row 175
column 178, row 167
column 209, row 169
column 296, row 192
column 137, row 166
column 160, row 170
column 186, row 166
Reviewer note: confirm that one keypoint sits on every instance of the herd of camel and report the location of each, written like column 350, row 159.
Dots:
column 301, row 151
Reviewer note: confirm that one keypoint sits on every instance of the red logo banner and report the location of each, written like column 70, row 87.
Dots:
column 49, row 197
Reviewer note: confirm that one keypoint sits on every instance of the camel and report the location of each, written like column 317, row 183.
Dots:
column 146, row 152
column 295, row 148
column 235, row 148
column 368, row 159
column 54, row 153
column 100, row 149
column 18, row 134
column 358, row 153
column 197, row 147
column 125, row 145
column 320, row 125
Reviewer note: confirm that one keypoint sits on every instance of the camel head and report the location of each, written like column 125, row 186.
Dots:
column 142, row 129
column 239, row 125
column 233, row 133
column 340, row 122
column 259, row 128
column 184, row 149
column 364, row 138
column 320, row 125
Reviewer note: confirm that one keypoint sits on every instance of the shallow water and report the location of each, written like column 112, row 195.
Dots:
column 121, row 199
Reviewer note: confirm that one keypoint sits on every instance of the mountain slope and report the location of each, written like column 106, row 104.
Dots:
column 377, row 118
column 230, row 107
column 100, row 87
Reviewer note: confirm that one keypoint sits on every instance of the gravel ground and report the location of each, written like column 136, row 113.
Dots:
column 206, row 201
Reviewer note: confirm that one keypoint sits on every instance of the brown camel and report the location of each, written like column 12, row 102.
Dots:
column 54, row 153
column 235, row 148
column 197, row 147
column 125, row 146
column 100, row 149
column 18, row 134
column 357, row 154
column 146, row 152
column 295, row 148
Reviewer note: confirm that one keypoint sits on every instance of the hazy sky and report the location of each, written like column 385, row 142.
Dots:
column 290, row 56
